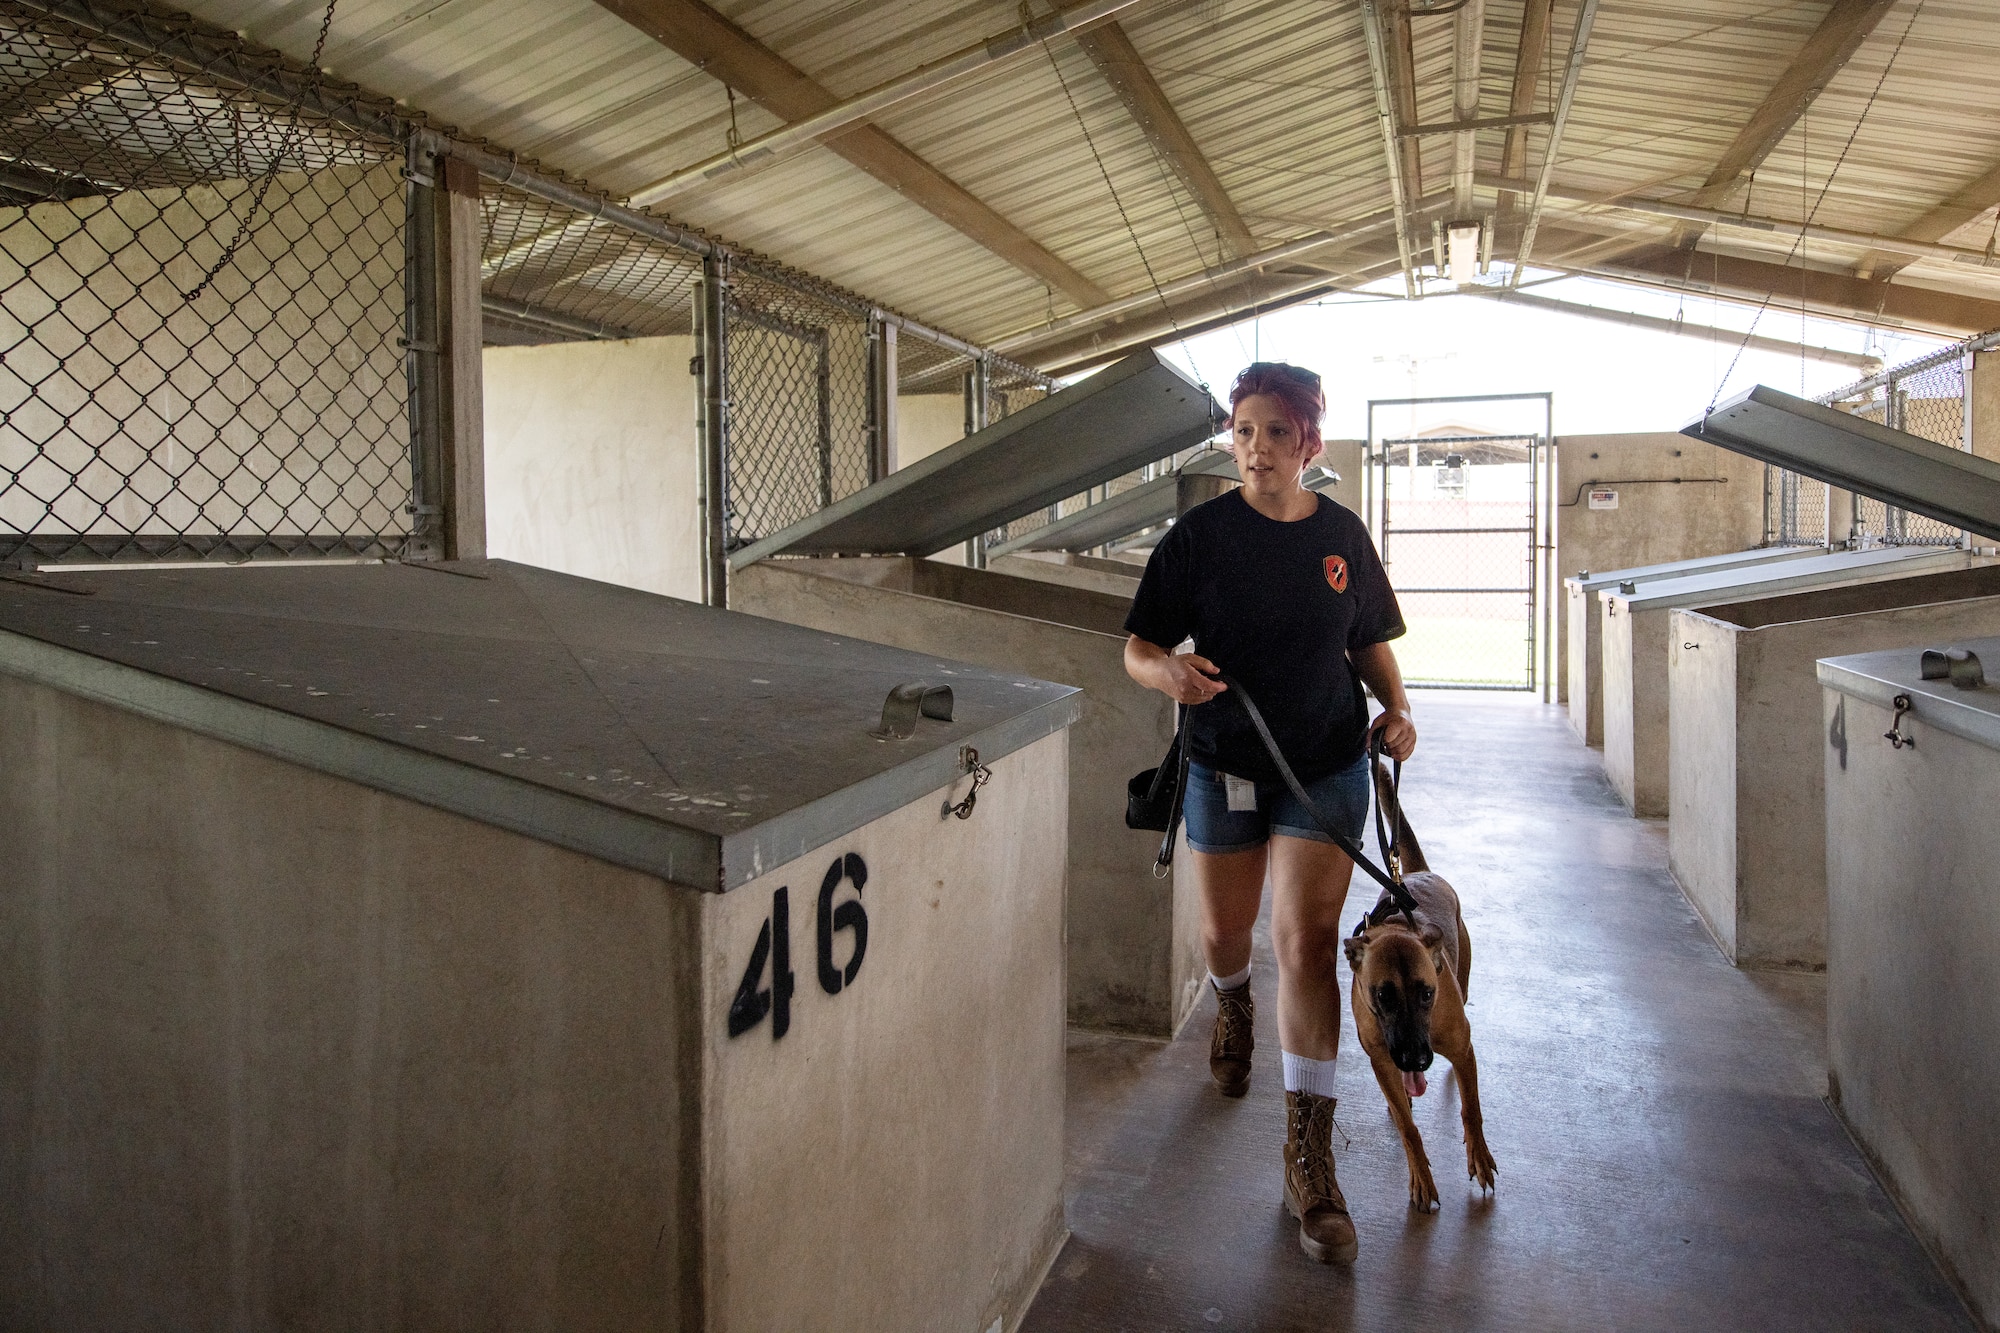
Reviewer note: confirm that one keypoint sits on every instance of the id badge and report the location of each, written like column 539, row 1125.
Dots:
column 1242, row 793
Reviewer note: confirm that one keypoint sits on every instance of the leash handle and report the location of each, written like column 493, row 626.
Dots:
column 1393, row 885
column 1385, row 828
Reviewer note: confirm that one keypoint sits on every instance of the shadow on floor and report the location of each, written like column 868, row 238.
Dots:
column 1666, row 1160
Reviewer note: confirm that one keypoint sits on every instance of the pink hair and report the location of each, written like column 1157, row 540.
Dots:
column 1295, row 387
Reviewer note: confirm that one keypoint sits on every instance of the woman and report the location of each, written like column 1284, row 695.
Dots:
column 1281, row 590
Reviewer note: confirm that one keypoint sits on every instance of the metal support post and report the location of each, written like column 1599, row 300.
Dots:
column 420, row 355
column 881, row 397
column 711, row 338
column 978, row 389
column 460, row 361
column 442, row 340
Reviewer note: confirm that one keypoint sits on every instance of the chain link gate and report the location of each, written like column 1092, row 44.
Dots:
column 149, row 410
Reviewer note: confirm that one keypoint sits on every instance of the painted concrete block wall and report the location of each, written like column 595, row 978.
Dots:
column 1913, row 975
column 926, row 423
column 1985, row 403
column 279, row 1050
column 1747, row 838
column 203, row 447
column 1717, row 507
column 1134, row 945
column 592, row 462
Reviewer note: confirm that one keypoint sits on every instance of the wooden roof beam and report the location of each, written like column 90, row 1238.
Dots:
column 1111, row 50
column 704, row 38
column 1845, row 26
column 1528, row 53
column 1964, row 205
column 1840, row 294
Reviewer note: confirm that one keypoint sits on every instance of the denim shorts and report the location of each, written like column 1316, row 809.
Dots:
column 1342, row 796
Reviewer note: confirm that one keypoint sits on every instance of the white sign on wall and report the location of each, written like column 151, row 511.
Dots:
column 1604, row 499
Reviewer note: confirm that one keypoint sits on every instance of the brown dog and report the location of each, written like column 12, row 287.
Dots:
column 1409, row 1000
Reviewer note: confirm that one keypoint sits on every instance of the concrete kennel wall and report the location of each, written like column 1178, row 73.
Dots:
column 592, row 463
column 1913, row 960
column 1583, row 647
column 1071, row 572
column 282, row 1050
column 1134, row 941
column 1656, row 521
column 915, row 1118
column 201, row 447
column 1635, row 628
column 1747, row 837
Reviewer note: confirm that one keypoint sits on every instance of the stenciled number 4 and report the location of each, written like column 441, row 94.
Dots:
column 774, row 947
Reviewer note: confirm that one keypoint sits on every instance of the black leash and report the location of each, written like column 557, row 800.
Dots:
column 1391, row 879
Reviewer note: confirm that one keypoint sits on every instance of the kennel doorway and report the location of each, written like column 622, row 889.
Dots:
column 1461, row 521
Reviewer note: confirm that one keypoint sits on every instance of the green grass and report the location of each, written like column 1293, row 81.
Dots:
column 1450, row 650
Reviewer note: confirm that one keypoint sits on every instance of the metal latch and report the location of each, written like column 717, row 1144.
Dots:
column 1958, row 665
column 981, row 774
column 1894, row 735
column 908, row 702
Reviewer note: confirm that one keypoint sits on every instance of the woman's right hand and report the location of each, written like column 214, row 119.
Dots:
column 1183, row 677
column 1187, row 678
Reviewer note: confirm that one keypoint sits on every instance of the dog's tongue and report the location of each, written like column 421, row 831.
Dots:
column 1414, row 1084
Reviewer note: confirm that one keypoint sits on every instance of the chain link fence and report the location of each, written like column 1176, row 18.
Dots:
column 206, row 305
column 1928, row 397
column 801, row 418
column 201, row 295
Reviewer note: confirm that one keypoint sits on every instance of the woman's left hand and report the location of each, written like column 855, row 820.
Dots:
column 1399, row 733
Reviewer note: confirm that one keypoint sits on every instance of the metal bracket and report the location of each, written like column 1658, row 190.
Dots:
column 908, row 702
column 1894, row 735
column 1958, row 665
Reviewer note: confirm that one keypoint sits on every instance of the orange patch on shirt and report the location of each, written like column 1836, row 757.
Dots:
column 1336, row 573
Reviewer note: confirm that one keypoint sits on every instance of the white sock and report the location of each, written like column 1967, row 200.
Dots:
column 1303, row 1075
column 1232, row 981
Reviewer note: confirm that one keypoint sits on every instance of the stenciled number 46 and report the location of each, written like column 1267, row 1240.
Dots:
column 774, row 948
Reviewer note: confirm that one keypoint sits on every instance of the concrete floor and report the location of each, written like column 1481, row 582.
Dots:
column 1666, row 1160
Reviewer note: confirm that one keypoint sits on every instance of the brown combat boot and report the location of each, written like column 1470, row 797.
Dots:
column 1230, row 1046
column 1312, row 1195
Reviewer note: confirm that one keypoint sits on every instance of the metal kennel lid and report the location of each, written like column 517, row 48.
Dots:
column 1678, row 569
column 699, row 745
column 1132, row 413
column 1146, row 505
column 1858, row 455
column 1971, row 714
column 1731, row 585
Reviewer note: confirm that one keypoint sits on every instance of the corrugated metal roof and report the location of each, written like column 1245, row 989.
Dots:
column 1275, row 92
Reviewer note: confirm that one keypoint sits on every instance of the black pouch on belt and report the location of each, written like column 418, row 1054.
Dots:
column 1153, row 798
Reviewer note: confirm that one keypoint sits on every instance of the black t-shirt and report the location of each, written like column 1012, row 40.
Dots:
column 1276, row 606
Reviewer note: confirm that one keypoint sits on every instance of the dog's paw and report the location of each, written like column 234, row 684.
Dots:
column 1479, row 1164
column 1423, row 1192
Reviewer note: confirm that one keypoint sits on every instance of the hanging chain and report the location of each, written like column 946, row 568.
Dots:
column 981, row 775
column 313, row 83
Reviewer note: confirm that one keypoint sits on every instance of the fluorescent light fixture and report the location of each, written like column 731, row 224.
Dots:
column 1462, row 243
column 1855, row 454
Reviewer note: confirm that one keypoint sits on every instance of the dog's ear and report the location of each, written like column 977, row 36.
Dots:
column 1431, row 934
column 1357, row 949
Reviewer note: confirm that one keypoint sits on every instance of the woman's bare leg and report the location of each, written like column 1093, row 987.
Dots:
column 1231, row 885
column 1308, row 890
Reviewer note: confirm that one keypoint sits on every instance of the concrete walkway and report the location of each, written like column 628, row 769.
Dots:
column 1666, row 1160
